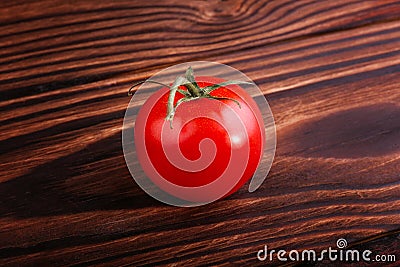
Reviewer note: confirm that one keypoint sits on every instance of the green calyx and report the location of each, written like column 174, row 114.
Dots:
column 193, row 92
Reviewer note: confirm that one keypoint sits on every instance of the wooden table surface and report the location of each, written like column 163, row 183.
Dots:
column 330, row 71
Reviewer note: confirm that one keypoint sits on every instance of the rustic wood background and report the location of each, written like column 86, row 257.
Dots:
column 329, row 69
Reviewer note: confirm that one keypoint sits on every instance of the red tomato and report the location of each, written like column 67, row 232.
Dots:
column 210, row 140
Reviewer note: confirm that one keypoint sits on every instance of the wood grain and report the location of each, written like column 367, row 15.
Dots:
column 329, row 69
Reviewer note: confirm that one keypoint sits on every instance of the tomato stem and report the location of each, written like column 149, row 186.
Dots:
column 193, row 91
column 131, row 92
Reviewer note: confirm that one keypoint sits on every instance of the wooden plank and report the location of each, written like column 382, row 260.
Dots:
column 66, row 44
column 330, row 72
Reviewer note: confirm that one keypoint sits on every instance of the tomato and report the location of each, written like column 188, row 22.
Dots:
column 208, row 149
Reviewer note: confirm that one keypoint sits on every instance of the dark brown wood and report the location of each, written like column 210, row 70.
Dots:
column 329, row 69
